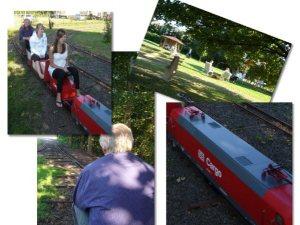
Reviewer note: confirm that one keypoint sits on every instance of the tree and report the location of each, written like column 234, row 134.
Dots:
column 235, row 41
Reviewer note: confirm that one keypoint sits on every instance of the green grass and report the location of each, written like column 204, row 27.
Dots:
column 24, row 107
column 89, row 34
column 191, row 78
column 47, row 176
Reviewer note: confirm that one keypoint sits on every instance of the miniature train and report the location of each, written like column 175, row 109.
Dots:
column 256, row 186
column 92, row 115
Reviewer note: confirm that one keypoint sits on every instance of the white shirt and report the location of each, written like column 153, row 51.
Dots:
column 59, row 59
column 38, row 46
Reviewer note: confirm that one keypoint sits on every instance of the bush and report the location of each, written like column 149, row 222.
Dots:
column 108, row 31
column 133, row 106
column 153, row 37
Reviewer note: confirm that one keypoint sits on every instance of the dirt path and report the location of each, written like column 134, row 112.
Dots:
column 60, row 208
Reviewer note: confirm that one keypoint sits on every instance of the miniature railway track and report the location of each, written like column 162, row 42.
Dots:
column 59, row 156
column 255, row 111
column 58, row 152
column 96, row 79
column 99, row 57
column 277, row 123
column 71, row 157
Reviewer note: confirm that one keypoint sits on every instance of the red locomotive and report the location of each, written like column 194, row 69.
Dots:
column 258, row 187
column 92, row 115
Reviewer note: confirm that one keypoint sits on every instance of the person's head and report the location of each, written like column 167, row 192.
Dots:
column 105, row 141
column 39, row 29
column 26, row 22
column 60, row 39
column 227, row 69
column 61, row 36
column 121, row 139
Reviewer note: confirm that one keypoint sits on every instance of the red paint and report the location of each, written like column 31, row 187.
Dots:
column 92, row 127
column 261, row 210
column 69, row 94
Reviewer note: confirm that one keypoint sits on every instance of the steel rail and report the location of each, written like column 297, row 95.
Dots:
column 272, row 120
column 87, row 52
column 88, row 74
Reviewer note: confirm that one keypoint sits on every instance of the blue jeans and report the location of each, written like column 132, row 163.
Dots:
column 81, row 217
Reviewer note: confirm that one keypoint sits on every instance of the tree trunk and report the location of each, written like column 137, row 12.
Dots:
column 90, row 144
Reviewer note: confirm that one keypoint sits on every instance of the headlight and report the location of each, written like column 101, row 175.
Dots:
column 279, row 219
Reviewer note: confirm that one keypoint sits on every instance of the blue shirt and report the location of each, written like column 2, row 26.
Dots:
column 117, row 189
column 25, row 32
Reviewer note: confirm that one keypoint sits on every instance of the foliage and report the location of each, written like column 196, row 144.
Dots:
column 232, row 41
column 108, row 31
column 85, row 143
column 133, row 105
column 153, row 37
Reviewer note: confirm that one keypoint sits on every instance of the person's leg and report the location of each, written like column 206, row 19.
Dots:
column 27, row 45
column 75, row 75
column 36, row 65
column 81, row 217
column 59, row 74
column 43, row 64
column 23, row 46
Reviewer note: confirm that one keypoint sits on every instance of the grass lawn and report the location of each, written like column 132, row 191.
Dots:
column 190, row 78
column 47, row 177
column 24, row 107
column 88, row 34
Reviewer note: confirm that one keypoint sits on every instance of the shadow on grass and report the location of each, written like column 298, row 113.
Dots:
column 46, row 176
column 156, row 67
column 249, row 86
column 196, row 68
column 24, row 107
column 197, row 89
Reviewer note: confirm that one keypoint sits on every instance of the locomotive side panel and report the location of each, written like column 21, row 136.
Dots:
column 90, row 123
column 247, row 201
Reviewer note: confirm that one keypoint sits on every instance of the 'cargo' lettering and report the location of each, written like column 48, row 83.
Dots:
column 210, row 165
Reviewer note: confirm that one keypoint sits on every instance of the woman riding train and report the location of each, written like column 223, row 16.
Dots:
column 58, row 69
column 38, row 48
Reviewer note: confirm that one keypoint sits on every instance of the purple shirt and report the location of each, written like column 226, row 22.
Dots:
column 117, row 189
column 25, row 32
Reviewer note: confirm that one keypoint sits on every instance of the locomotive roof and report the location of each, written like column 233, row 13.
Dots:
column 242, row 159
column 101, row 115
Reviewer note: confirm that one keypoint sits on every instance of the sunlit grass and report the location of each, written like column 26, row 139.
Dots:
column 47, row 176
column 191, row 76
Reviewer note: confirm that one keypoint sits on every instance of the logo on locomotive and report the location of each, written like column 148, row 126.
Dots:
column 210, row 165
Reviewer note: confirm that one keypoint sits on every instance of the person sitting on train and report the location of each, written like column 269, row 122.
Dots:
column 38, row 48
column 59, row 67
column 25, row 32
column 117, row 188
